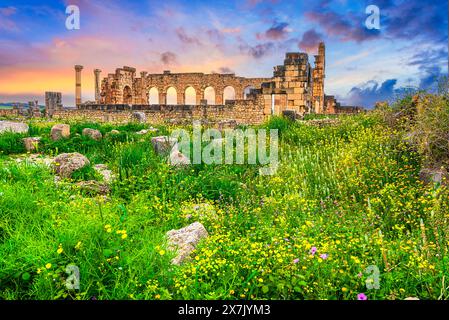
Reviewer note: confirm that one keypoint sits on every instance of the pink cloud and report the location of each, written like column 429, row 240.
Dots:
column 310, row 41
column 277, row 31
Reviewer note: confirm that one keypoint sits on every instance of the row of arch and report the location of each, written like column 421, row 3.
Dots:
column 190, row 95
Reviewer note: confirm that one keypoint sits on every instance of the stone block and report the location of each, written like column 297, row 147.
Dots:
column 60, row 131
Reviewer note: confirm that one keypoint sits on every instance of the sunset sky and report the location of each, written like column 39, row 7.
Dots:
column 247, row 37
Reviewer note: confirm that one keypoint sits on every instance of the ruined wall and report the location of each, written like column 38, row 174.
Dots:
column 243, row 111
column 295, row 86
column 9, row 112
column 53, row 102
column 124, row 87
column 291, row 87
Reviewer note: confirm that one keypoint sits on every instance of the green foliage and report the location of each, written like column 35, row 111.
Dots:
column 348, row 190
column 11, row 143
column 431, row 129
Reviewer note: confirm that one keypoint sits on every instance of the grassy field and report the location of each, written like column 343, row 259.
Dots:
column 345, row 201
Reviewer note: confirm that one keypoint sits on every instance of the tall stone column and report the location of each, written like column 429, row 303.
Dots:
column 78, row 69
column 318, row 79
column 97, row 73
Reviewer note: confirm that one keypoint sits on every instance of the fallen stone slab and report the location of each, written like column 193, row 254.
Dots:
column 114, row 132
column 185, row 240
column 92, row 133
column 14, row 127
column 65, row 164
column 36, row 159
column 102, row 169
column 164, row 145
column 31, row 144
column 60, row 131
column 178, row 159
column 146, row 131
column 139, row 117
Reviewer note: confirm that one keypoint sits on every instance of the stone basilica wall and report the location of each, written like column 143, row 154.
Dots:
column 242, row 111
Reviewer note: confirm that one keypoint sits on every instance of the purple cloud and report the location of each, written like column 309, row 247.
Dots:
column 371, row 92
column 344, row 27
column 257, row 51
column 168, row 58
column 429, row 63
column 185, row 38
column 224, row 70
column 278, row 31
column 310, row 40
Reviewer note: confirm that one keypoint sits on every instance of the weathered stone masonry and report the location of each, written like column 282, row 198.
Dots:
column 245, row 111
column 295, row 87
column 123, row 87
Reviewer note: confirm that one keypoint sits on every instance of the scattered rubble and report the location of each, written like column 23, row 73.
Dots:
column 185, row 240
column 65, row 164
column 60, row 131
column 164, row 145
column 31, row 144
column 107, row 174
column 139, row 117
column 92, row 133
column 14, row 127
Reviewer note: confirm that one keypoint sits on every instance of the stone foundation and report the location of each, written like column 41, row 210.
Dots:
column 249, row 112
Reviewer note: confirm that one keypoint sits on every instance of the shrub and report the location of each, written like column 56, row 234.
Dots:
column 431, row 129
column 11, row 143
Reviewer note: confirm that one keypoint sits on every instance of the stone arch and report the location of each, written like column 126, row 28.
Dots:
column 247, row 90
column 209, row 95
column 228, row 94
column 190, row 96
column 172, row 95
column 127, row 95
column 153, row 96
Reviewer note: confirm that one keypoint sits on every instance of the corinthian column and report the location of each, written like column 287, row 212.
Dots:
column 78, row 69
column 97, row 85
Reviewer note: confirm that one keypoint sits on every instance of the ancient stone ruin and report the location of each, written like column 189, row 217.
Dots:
column 296, row 88
column 53, row 102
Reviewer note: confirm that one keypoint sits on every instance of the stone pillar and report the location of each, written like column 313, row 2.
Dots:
column 219, row 97
column 199, row 96
column 162, row 97
column 318, row 79
column 180, row 97
column 78, row 69
column 97, row 85
column 144, row 91
column 239, row 94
